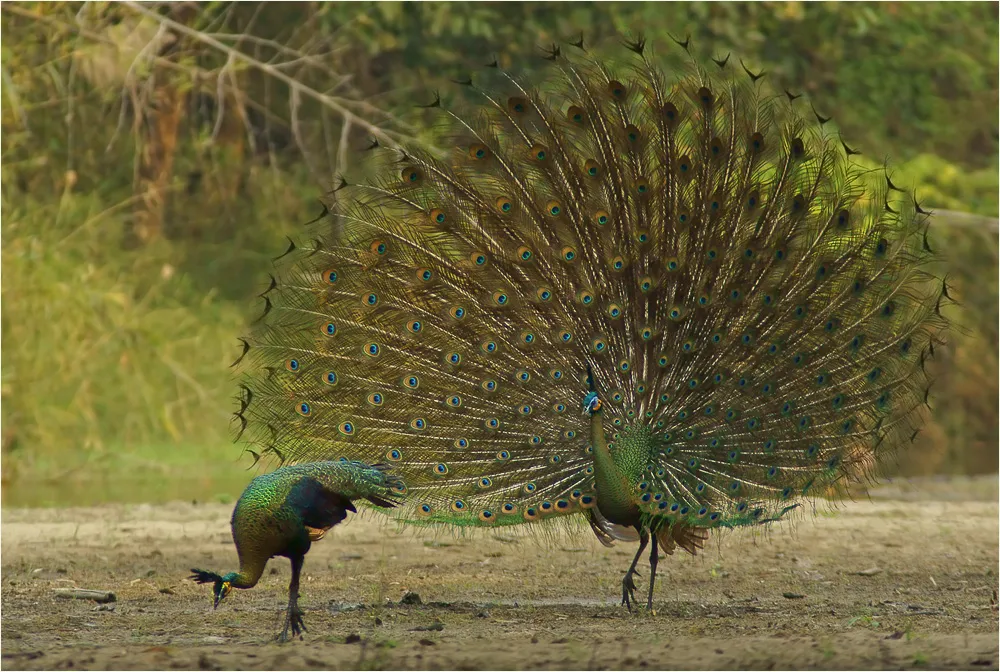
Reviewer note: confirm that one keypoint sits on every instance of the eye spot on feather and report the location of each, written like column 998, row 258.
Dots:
column 662, row 361
column 543, row 293
column 461, row 443
column 556, row 374
column 599, row 345
column 394, row 455
column 585, row 296
column 411, row 175
column 538, row 152
column 715, row 147
column 517, row 105
column 500, row 298
column 881, row 247
column 330, row 329
column 457, row 312
column 559, row 408
column 601, row 217
column 453, row 358
column 375, row 399
column 504, row 204
column 568, row 254
column 371, row 299
column 522, row 375
column 372, row 350
column 484, row 483
column 379, row 247
column 303, row 409
column 330, row 378
column 331, row 276
column 553, row 208
column 569, row 434
column 488, row 347
column 478, row 151
column 418, row 424
column 525, row 409
column 491, row 423
column 575, row 114
column 478, row 259
column 642, row 186
column 458, row 506
column 412, row 382
column 536, row 440
column 671, row 113
column 453, row 401
column 592, row 168
column 614, row 311
column 292, row 365
column 346, row 428
column 632, row 133
column 440, row 469
column 757, row 142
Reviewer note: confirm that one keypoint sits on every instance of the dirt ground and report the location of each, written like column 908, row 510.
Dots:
column 904, row 579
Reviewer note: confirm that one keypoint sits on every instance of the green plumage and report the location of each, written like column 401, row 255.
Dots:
column 283, row 512
column 752, row 306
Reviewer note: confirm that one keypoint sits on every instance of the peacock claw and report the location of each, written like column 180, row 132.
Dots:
column 297, row 625
column 628, row 591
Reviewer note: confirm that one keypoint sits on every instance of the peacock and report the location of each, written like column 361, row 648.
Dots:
column 659, row 296
column 285, row 511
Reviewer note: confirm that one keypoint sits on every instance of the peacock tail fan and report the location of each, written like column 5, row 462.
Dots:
column 755, row 307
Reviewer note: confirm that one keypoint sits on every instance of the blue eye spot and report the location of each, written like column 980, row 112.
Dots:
column 331, row 329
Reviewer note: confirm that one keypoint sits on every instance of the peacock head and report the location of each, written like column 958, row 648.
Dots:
column 221, row 584
column 591, row 403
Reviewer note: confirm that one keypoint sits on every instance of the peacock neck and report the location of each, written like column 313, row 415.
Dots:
column 249, row 574
column 614, row 491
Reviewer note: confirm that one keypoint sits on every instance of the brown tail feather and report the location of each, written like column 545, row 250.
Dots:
column 691, row 539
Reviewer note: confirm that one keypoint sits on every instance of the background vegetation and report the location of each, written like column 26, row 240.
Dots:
column 154, row 157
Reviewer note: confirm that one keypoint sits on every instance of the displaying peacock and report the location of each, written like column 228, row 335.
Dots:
column 285, row 511
column 741, row 312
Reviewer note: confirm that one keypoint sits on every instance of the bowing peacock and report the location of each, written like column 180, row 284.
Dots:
column 665, row 300
column 282, row 513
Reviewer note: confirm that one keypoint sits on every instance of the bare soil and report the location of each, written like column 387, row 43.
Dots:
column 904, row 579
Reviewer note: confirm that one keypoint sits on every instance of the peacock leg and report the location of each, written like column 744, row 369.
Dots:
column 628, row 585
column 293, row 619
column 654, row 558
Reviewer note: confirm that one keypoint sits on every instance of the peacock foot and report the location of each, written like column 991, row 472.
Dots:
column 628, row 590
column 294, row 623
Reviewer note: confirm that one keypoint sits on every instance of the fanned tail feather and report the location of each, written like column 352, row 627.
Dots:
column 754, row 306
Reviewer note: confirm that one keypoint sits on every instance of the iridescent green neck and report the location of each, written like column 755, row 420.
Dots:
column 614, row 491
column 248, row 576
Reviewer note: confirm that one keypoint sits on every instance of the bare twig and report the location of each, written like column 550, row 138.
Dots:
column 298, row 88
